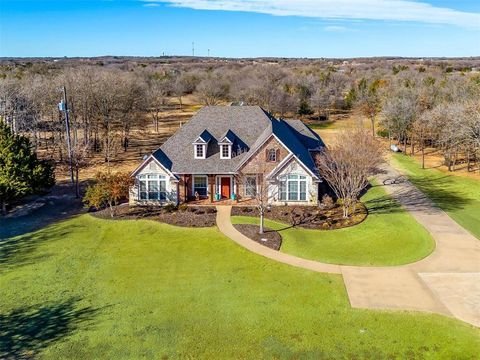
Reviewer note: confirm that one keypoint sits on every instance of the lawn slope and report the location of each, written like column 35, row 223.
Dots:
column 389, row 236
column 459, row 197
column 89, row 288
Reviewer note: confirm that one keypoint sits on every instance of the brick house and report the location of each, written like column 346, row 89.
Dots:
column 229, row 152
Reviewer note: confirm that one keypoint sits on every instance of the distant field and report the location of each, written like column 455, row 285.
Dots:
column 459, row 197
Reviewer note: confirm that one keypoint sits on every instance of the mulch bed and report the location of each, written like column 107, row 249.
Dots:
column 310, row 217
column 270, row 238
column 201, row 216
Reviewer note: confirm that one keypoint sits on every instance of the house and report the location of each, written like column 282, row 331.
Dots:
column 229, row 152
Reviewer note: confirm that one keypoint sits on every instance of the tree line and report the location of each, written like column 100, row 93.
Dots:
column 419, row 105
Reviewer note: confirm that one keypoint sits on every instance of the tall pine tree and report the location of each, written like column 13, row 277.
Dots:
column 21, row 173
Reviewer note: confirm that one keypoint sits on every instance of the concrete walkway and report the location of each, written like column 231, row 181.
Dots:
column 226, row 227
column 446, row 282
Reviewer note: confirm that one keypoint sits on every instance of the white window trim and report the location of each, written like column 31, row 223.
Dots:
column 193, row 183
column 298, row 180
column 229, row 156
column 204, row 151
column 158, row 178
column 218, row 182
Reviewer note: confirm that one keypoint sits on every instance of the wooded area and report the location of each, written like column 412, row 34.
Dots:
column 419, row 103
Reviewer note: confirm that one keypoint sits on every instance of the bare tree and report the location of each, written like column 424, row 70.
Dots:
column 185, row 84
column 348, row 164
column 369, row 100
column 399, row 113
column 264, row 188
column 156, row 98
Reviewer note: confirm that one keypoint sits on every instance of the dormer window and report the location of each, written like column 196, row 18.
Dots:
column 226, row 143
column 225, row 151
column 200, row 151
column 200, row 145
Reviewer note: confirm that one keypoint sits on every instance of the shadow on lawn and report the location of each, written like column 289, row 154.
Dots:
column 60, row 204
column 23, row 250
column 436, row 189
column 27, row 330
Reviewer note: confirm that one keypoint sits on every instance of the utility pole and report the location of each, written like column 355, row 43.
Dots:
column 193, row 48
column 208, row 52
column 64, row 107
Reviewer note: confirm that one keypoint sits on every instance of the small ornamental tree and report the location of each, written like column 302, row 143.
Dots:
column 21, row 173
column 108, row 191
column 264, row 189
column 347, row 165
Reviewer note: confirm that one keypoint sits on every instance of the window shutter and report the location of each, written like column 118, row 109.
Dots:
column 277, row 155
column 266, row 155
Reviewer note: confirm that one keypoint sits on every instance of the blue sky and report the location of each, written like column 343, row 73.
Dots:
column 240, row 28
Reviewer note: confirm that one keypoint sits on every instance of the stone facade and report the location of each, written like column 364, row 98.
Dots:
column 258, row 161
column 152, row 168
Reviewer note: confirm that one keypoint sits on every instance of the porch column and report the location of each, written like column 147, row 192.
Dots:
column 186, row 187
column 211, row 183
column 235, row 189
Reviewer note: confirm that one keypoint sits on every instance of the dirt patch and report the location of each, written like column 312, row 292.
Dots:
column 270, row 238
column 308, row 216
column 183, row 216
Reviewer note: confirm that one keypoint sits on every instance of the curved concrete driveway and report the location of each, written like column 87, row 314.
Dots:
column 226, row 227
column 446, row 282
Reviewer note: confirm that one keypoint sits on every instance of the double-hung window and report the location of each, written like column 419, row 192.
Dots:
column 200, row 151
column 200, row 185
column 152, row 187
column 250, row 186
column 293, row 188
column 225, row 151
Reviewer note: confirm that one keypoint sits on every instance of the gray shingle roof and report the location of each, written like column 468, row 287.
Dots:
column 251, row 126
column 307, row 136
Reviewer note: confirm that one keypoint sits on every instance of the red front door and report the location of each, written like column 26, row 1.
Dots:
column 225, row 187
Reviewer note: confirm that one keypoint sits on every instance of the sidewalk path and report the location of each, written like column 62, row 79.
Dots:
column 446, row 282
column 225, row 225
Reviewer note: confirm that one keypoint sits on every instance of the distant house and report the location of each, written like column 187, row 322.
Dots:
column 204, row 158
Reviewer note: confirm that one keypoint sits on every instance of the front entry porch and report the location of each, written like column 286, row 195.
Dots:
column 218, row 189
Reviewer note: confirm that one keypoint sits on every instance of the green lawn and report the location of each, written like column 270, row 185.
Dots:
column 389, row 236
column 89, row 288
column 459, row 197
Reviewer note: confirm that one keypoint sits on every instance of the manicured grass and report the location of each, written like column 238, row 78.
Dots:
column 459, row 197
column 97, row 289
column 389, row 236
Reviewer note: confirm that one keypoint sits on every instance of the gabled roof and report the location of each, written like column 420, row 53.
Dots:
column 228, row 138
column 290, row 139
column 203, row 138
column 247, row 127
column 157, row 156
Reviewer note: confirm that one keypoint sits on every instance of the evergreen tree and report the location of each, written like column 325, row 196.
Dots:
column 21, row 173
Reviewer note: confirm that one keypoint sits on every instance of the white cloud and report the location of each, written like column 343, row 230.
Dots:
column 150, row 4
column 395, row 10
column 335, row 28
